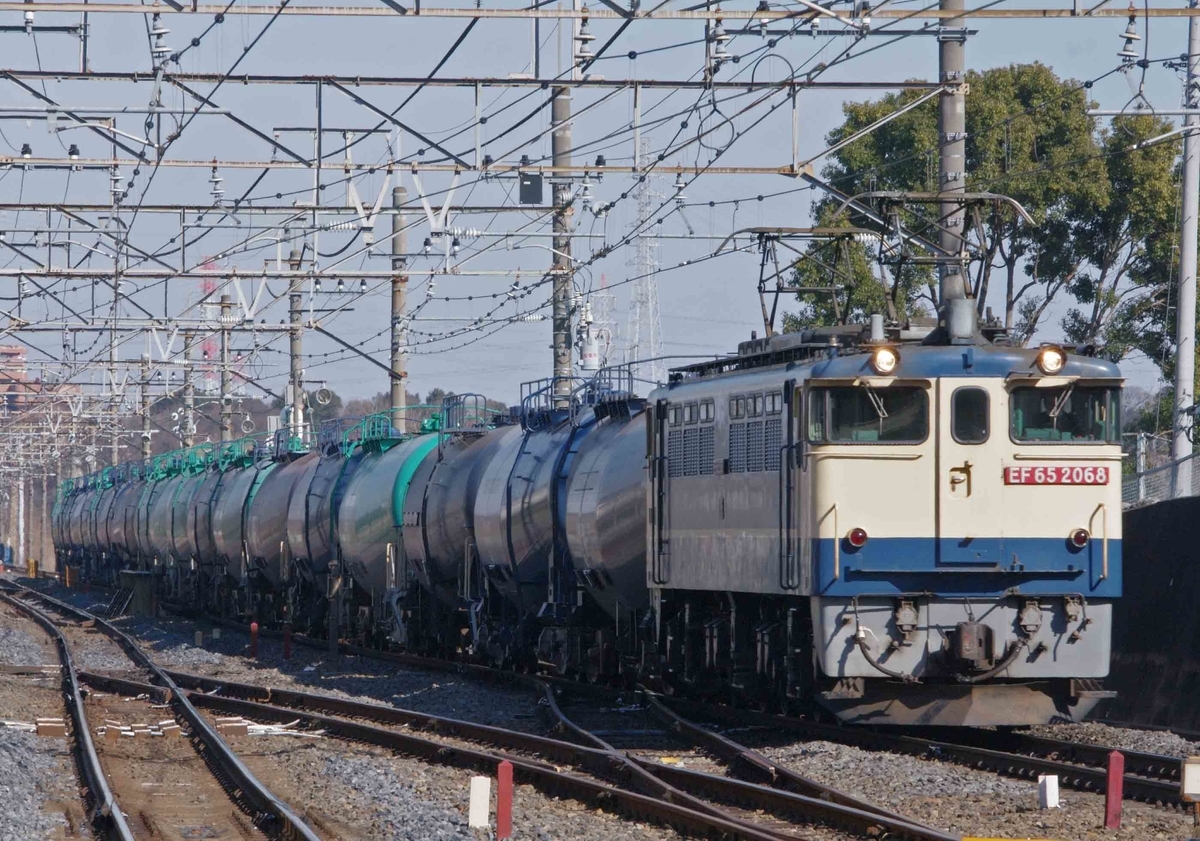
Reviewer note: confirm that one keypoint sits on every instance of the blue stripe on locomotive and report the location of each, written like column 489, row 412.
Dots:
column 981, row 567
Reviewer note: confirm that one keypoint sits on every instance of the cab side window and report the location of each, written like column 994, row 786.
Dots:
column 969, row 415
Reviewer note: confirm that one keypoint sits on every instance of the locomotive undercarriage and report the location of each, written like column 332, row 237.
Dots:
column 756, row 649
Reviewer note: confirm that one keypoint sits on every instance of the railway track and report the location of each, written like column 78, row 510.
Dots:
column 105, row 815
column 1149, row 778
column 1138, row 764
column 695, row 802
column 161, row 786
column 587, row 768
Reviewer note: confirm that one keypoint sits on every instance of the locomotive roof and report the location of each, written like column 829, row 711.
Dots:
column 822, row 360
column 963, row 361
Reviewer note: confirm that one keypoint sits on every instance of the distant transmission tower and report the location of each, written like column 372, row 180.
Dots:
column 604, row 305
column 644, row 330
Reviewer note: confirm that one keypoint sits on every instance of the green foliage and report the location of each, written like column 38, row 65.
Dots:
column 1127, row 297
column 1101, row 229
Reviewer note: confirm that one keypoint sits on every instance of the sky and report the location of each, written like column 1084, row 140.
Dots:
column 707, row 304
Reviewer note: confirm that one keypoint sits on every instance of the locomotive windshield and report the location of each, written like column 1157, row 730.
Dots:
column 861, row 414
column 1070, row 413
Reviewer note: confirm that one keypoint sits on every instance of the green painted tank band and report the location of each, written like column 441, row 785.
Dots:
column 259, row 478
column 404, row 478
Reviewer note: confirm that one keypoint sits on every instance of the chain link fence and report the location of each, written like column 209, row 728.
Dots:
column 1178, row 478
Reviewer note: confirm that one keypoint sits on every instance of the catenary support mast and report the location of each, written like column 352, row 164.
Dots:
column 1185, row 359
column 958, row 309
column 399, row 303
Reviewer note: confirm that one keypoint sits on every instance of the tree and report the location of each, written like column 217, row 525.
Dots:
column 1028, row 137
column 1133, row 297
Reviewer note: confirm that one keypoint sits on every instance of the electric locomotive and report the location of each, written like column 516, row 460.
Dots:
column 907, row 533
column 900, row 530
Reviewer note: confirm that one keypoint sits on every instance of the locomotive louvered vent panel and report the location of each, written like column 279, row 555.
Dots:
column 691, row 452
column 754, row 446
column 708, row 452
column 772, row 440
column 675, row 453
column 737, row 448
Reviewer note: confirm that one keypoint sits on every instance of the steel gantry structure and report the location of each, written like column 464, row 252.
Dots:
column 201, row 219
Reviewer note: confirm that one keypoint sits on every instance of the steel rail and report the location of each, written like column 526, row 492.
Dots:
column 752, row 763
column 1006, row 763
column 1152, row 766
column 813, row 794
column 284, row 704
column 544, row 776
column 273, row 815
column 708, row 783
column 106, row 814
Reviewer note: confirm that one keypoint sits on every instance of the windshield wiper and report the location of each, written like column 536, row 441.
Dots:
column 1061, row 402
column 876, row 402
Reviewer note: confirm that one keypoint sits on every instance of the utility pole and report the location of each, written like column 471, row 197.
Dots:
column 112, row 348
column 189, row 391
column 399, row 303
column 145, row 391
column 295, row 335
column 41, row 532
column 21, row 522
column 958, row 316
column 226, row 371
column 1185, row 356
column 560, row 119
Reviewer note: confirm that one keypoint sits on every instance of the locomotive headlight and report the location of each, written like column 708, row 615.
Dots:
column 1051, row 359
column 884, row 360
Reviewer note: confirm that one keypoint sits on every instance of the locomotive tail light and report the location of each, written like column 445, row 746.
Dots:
column 857, row 538
column 884, row 360
column 1080, row 538
column 1051, row 359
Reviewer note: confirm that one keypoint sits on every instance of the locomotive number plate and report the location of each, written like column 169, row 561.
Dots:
column 1056, row 475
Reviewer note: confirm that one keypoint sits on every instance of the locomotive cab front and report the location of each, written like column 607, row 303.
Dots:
column 963, row 512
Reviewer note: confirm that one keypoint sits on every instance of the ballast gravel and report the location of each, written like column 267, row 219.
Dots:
column 1162, row 742
column 30, row 769
column 37, row 775
column 971, row 802
column 420, row 802
column 94, row 652
column 18, row 648
column 362, row 792
column 405, row 799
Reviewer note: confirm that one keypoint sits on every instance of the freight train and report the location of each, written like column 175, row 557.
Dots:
column 898, row 530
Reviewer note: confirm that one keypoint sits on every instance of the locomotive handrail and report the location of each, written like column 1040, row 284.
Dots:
column 1102, row 510
column 837, row 553
column 1088, row 456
